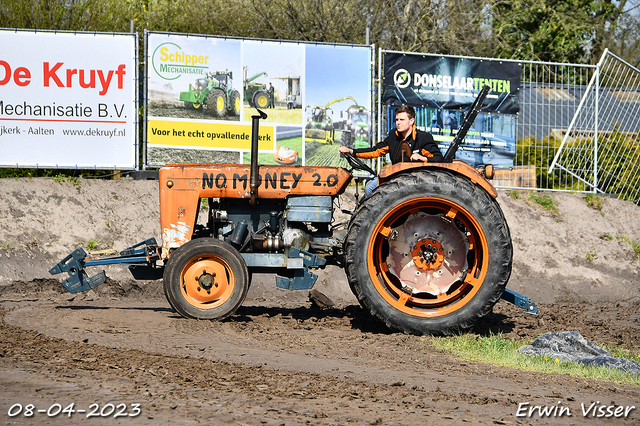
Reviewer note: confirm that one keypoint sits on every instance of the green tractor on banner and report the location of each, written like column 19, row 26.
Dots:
column 255, row 94
column 215, row 93
column 356, row 128
column 319, row 126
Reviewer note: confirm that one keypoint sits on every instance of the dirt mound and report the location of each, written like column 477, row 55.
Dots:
column 281, row 359
column 577, row 263
column 578, row 254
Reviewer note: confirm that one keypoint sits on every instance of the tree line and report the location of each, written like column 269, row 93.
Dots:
column 573, row 31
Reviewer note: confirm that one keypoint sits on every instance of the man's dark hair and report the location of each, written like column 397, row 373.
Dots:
column 411, row 113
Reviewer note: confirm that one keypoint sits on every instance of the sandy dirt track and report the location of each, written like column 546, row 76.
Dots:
column 281, row 360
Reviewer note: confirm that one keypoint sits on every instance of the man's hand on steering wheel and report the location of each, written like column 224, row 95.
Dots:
column 355, row 162
column 345, row 150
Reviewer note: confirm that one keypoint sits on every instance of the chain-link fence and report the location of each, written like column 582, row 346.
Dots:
column 549, row 97
column 576, row 129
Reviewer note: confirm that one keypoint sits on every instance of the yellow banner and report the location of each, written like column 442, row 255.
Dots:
column 208, row 135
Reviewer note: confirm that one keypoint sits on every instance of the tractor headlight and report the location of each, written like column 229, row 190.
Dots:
column 487, row 170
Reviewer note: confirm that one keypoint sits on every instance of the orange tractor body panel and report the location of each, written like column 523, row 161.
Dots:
column 183, row 185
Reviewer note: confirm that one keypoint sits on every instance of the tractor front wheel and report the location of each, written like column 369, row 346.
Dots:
column 206, row 279
column 428, row 252
column 217, row 103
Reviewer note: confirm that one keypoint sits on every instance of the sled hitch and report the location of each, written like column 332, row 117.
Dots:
column 520, row 301
column 141, row 259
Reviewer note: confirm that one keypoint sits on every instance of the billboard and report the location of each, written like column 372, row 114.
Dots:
column 441, row 89
column 62, row 106
column 202, row 92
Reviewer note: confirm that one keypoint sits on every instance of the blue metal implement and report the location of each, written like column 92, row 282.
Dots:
column 144, row 253
column 302, row 279
column 521, row 301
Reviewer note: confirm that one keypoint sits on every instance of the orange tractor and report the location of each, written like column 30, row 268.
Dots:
column 429, row 251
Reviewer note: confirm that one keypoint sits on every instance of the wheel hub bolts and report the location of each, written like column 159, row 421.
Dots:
column 426, row 254
column 207, row 281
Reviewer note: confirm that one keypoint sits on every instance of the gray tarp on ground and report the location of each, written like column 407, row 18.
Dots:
column 571, row 346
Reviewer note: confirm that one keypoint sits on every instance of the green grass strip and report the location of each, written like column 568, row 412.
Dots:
column 503, row 352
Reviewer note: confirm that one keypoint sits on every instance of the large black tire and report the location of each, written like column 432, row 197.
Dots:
column 217, row 103
column 455, row 218
column 206, row 279
column 261, row 99
column 235, row 103
column 345, row 139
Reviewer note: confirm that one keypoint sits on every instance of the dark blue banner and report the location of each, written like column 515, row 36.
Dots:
column 450, row 83
column 442, row 89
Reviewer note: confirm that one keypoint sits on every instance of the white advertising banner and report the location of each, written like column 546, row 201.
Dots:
column 203, row 91
column 68, row 100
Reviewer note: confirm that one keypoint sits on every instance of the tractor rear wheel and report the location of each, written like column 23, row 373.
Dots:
column 260, row 99
column 217, row 103
column 206, row 279
column 428, row 252
column 236, row 103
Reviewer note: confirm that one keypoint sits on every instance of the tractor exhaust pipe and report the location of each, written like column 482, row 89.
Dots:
column 253, row 178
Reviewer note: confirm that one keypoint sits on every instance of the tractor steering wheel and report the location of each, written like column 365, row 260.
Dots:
column 356, row 163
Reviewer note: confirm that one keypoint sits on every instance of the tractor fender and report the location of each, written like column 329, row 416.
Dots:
column 456, row 167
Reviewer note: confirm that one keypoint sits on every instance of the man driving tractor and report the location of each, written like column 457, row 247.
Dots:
column 421, row 145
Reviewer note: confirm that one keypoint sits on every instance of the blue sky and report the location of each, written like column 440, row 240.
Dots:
column 336, row 72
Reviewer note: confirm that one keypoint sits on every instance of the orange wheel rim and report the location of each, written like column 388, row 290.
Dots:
column 385, row 276
column 207, row 282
